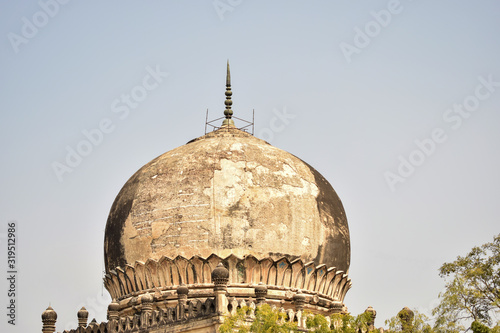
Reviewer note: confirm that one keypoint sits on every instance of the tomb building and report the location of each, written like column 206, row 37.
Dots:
column 224, row 221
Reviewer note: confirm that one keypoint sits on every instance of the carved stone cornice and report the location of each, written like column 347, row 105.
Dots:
column 323, row 288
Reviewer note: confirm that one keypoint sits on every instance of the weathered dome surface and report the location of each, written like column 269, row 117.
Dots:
column 227, row 192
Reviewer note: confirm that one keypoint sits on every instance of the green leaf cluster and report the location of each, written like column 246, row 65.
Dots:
column 340, row 323
column 269, row 320
column 409, row 321
column 472, row 290
column 266, row 320
column 272, row 321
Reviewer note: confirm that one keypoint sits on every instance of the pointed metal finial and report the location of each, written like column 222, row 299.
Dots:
column 228, row 112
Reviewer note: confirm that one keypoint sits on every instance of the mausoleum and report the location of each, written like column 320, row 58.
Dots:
column 224, row 221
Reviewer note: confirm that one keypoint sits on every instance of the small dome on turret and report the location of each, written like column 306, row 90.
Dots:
column 49, row 314
column 82, row 313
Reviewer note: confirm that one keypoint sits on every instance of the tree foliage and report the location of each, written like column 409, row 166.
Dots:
column 272, row 321
column 472, row 290
column 346, row 323
column 478, row 327
column 269, row 320
column 409, row 321
column 266, row 320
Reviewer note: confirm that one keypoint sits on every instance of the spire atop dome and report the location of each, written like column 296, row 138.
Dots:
column 228, row 112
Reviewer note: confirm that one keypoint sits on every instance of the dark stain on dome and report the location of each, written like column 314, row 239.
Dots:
column 114, row 253
column 336, row 252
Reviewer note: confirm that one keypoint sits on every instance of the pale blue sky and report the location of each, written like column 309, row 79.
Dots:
column 352, row 122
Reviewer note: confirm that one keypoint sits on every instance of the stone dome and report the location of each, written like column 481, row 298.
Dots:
column 225, row 193
column 49, row 314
